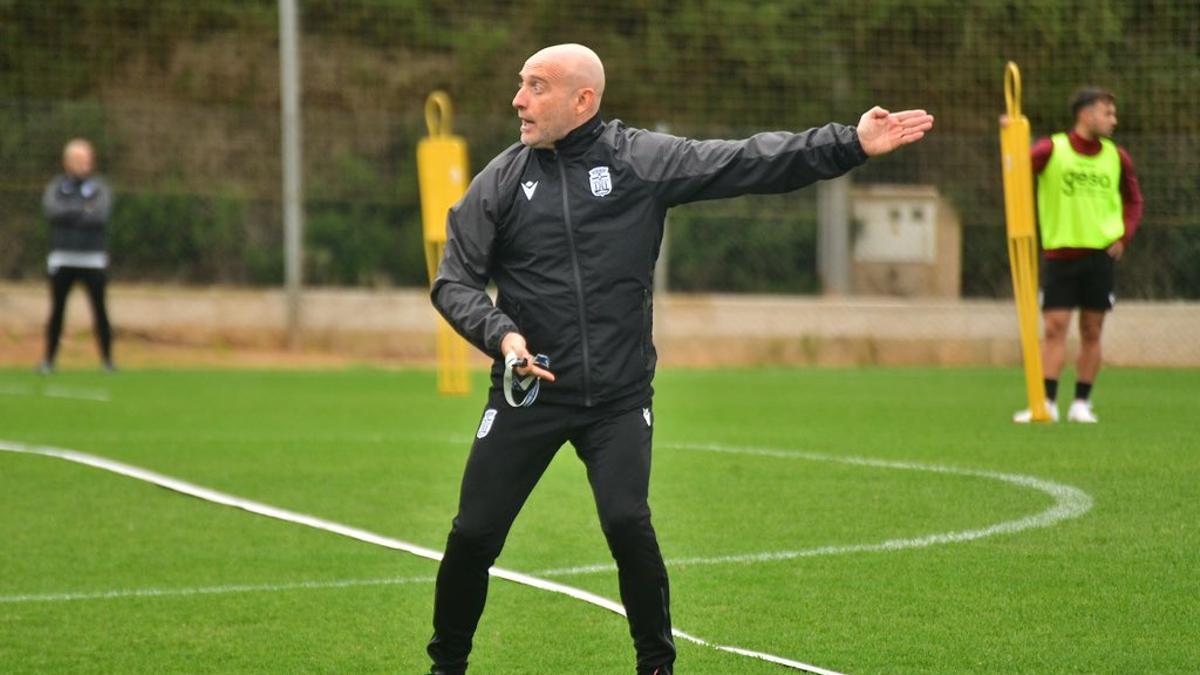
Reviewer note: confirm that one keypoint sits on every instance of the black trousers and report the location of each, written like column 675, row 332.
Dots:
column 512, row 449
column 61, row 281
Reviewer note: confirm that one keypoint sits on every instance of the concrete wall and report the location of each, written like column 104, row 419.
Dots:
column 690, row 329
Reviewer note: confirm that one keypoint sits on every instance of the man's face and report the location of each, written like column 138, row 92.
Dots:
column 544, row 104
column 78, row 160
column 1100, row 118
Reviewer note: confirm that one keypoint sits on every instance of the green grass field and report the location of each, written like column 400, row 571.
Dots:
column 103, row 573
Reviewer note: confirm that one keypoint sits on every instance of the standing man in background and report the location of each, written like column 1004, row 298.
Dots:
column 568, row 225
column 77, row 204
column 1089, row 205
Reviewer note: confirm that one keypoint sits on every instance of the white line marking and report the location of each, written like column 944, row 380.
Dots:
column 1069, row 502
column 58, row 391
column 211, row 590
column 369, row 537
column 78, row 393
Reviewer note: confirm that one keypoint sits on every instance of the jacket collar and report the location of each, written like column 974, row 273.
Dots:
column 581, row 137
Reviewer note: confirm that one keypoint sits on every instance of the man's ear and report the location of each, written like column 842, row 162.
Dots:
column 587, row 96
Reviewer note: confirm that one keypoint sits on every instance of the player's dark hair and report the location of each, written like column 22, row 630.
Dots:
column 1086, row 96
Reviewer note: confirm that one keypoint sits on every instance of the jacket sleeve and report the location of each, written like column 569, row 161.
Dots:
column 98, row 208
column 459, row 288
column 57, row 207
column 778, row 161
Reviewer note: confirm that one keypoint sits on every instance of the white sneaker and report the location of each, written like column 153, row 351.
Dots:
column 1081, row 411
column 1026, row 416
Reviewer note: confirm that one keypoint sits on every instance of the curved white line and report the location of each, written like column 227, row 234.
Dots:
column 269, row 511
column 1069, row 502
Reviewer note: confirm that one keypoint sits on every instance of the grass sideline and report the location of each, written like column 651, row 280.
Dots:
column 1112, row 591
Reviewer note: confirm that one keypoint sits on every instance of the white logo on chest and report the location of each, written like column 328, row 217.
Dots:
column 600, row 180
column 529, row 189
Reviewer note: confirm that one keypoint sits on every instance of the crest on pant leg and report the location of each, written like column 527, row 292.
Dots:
column 485, row 426
column 646, row 416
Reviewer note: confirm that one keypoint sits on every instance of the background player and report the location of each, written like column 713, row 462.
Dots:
column 1089, row 206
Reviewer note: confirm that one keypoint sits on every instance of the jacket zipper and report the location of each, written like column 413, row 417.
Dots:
column 583, row 328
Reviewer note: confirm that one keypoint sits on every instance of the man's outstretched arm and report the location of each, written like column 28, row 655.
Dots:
column 688, row 170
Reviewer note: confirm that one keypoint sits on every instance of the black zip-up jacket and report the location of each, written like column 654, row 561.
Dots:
column 78, row 210
column 570, row 237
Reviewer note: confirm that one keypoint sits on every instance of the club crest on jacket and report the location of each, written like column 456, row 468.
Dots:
column 601, row 181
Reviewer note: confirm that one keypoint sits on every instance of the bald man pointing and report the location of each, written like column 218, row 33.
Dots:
column 567, row 224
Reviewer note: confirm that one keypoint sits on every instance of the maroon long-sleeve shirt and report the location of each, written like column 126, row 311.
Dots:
column 1131, row 192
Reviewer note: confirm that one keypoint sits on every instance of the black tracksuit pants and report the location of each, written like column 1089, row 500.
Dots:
column 60, row 285
column 512, row 449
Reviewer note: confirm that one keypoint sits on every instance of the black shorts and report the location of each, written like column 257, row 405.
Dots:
column 1085, row 282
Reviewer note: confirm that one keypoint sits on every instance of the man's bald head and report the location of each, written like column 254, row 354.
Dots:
column 79, row 157
column 561, row 88
column 577, row 64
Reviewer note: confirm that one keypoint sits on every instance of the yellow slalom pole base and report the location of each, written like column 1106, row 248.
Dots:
column 1022, row 256
column 442, row 174
column 452, row 375
column 452, row 362
column 1022, row 237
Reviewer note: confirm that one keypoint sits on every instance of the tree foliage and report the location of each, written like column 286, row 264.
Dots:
column 182, row 99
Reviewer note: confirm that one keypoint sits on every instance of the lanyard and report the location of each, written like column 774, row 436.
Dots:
column 527, row 387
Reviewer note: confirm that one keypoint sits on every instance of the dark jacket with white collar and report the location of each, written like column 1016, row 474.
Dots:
column 570, row 237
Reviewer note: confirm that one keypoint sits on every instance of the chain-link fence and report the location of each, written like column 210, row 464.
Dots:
column 182, row 100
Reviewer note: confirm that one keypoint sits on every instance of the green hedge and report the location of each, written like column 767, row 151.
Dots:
column 750, row 245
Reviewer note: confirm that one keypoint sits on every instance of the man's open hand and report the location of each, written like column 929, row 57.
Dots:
column 515, row 343
column 881, row 132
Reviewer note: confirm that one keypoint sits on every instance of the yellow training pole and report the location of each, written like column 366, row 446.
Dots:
column 1022, row 236
column 442, row 173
